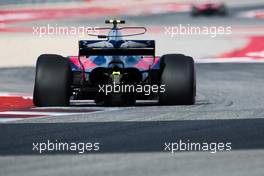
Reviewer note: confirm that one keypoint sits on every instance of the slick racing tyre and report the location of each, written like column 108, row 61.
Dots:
column 178, row 76
column 52, row 81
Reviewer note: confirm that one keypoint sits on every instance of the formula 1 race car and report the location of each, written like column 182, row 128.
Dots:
column 115, row 72
column 209, row 8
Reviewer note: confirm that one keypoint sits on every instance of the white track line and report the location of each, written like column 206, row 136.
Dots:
column 230, row 60
column 250, row 13
column 36, row 113
column 3, row 120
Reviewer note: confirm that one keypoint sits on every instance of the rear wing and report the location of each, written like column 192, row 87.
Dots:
column 118, row 48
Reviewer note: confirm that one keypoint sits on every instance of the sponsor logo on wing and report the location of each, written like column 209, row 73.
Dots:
column 132, row 44
column 101, row 44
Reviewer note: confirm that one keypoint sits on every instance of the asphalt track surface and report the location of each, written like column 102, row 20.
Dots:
column 229, row 108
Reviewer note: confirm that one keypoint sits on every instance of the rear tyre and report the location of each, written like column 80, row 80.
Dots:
column 52, row 81
column 178, row 76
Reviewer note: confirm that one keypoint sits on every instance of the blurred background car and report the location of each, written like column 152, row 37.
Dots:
column 209, row 8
